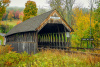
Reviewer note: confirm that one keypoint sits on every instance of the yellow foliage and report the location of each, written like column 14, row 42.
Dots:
column 82, row 26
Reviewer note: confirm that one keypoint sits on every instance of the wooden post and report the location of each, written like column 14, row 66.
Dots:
column 43, row 40
column 64, row 39
column 87, row 43
column 67, row 41
column 36, row 43
column 60, row 40
column 52, row 40
column 55, row 40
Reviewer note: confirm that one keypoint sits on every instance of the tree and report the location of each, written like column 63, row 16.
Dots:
column 69, row 5
column 82, row 28
column 21, row 16
column 59, row 6
column 41, row 11
column 4, row 16
column 97, row 13
column 64, row 7
column 30, row 10
column 17, row 14
column 3, row 5
column 10, row 15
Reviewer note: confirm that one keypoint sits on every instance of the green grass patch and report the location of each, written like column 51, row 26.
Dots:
column 1, row 38
column 8, row 22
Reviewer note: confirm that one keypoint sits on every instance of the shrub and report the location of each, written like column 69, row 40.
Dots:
column 48, row 58
column 5, row 49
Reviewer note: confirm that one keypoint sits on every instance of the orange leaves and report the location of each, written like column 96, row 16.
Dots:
column 6, row 1
column 5, row 49
column 10, row 15
column 18, row 22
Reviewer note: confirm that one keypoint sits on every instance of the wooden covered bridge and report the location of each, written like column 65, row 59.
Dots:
column 47, row 30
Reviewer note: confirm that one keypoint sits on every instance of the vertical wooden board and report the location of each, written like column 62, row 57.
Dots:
column 24, row 37
column 36, row 44
column 29, row 37
column 67, row 41
column 59, row 40
column 55, row 40
column 25, row 45
column 21, row 47
column 31, row 47
column 15, row 47
column 35, row 48
column 34, row 37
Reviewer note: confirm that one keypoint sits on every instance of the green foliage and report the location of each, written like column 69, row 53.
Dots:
column 2, row 11
column 1, row 38
column 97, row 14
column 5, row 49
column 82, row 28
column 5, row 28
column 30, row 10
column 48, row 58
column 3, row 5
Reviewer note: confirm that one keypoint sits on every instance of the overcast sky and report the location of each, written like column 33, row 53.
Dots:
column 44, row 4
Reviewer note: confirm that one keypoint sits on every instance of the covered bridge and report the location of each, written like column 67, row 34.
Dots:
column 47, row 30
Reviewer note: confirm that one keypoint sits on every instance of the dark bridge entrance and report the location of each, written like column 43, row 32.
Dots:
column 53, row 35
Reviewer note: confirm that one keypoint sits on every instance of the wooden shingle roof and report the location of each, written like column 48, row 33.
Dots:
column 31, row 24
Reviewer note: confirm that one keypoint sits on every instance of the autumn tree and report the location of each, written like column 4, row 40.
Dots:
column 21, row 15
column 3, row 5
column 30, row 10
column 97, row 12
column 82, row 28
column 17, row 14
column 4, row 16
column 10, row 15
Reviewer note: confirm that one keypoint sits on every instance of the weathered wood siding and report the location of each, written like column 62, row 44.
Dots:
column 23, row 42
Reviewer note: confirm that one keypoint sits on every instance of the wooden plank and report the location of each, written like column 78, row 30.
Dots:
column 55, row 40
column 61, row 40
column 52, row 40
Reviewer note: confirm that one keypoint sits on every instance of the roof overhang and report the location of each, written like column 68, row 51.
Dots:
column 52, row 19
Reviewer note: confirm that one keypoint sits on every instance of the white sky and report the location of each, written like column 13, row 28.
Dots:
column 44, row 4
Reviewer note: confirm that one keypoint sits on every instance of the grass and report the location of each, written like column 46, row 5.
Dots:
column 46, row 58
column 8, row 22
column 1, row 38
